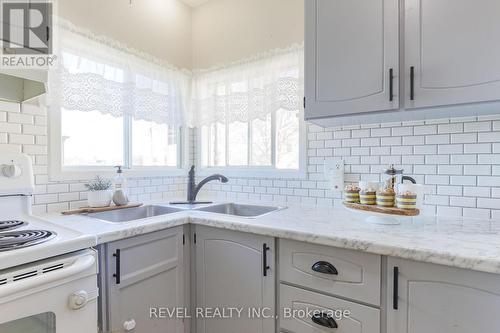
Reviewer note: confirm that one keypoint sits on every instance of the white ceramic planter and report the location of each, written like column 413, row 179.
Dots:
column 99, row 198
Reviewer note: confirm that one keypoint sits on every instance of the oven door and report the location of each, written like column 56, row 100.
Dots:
column 53, row 296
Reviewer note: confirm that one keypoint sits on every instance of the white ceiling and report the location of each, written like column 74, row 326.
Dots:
column 194, row 3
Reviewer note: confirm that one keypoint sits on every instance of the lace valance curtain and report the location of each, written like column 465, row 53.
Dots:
column 99, row 74
column 250, row 89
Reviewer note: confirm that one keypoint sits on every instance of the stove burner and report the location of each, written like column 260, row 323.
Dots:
column 19, row 239
column 11, row 225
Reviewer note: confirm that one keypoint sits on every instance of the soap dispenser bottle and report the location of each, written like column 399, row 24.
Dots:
column 120, row 197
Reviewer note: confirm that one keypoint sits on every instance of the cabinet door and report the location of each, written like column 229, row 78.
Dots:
column 350, row 50
column 439, row 299
column 453, row 48
column 148, row 274
column 230, row 274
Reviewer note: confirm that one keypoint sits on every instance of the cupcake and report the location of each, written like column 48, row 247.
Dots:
column 352, row 194
column 385, row 197
column 406, row 200
column 368, row 196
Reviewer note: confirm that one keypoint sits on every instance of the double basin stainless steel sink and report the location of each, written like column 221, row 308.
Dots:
column 132, row 214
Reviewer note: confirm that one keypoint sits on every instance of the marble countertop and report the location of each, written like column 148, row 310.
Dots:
column 459, row 242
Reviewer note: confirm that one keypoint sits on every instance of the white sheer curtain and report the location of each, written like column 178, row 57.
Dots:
column 250, row 89
column 100, row 74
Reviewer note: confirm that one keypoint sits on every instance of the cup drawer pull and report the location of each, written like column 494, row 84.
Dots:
column 325, row 268
column 325, row 320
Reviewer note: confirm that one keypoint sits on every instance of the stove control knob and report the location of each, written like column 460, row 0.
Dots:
column 78, row 299
column 11, row 171
column 129, row 325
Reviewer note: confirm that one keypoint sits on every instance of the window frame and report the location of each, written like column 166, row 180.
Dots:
column 260, row 171
column 58, row 172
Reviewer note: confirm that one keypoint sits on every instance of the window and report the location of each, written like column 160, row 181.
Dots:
column 91, row 139
column 251, row 143
column 154, row 144
column 113, row 106
column 249, row 114
column 94, row 139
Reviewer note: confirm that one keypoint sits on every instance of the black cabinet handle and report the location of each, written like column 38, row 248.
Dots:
column 391, row 85
column 325, row 268
column 395, row 291
column 325, row 320
column 412, row 83
column 265, row 266
column 117, row 275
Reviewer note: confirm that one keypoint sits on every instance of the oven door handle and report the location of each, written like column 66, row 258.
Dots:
column 42, row 280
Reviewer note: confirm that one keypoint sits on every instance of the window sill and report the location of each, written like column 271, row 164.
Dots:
column 80, row 174
column 242, row 172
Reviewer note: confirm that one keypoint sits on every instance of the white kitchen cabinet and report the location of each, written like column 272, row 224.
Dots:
column 351, row 50
column 438, row 299
column 452, row 46
column 141, row 273
column 236, row 270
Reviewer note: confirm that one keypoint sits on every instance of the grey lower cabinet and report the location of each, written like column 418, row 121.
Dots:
column 234, row 270
column 139, row 274
column 305, row 309
column 430, row 298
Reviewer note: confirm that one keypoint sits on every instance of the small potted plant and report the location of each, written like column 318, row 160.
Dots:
column 100, row 193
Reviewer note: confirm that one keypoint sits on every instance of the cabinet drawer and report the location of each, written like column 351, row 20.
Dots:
column 361, row 318
column 350, row 274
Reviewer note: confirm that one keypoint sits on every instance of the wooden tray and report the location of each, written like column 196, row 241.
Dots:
column 85, row 210
column 383, row 210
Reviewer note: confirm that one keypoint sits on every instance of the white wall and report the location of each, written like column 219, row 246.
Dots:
column 159, row 27
column 230, row 30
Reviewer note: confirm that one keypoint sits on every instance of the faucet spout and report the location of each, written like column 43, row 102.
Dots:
column 193, row 189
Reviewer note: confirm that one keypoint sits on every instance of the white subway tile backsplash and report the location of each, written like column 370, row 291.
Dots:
column 20, row 118
column 477, row 191
column 480, row 170
column 21, row 139
column 463, row 201
column 459, row 160
column 488, row 159
column 488, row 203
column 451, row 128
column 489, row 137
column 425, row 130
column 449, row 190
column 450, row 169
column 413, row 140
column 477, row 213
column 463, row 159
column 464, row 138
column 402, row 131
column 450, row 149
column 463, row 180
column 482, row 126
column 379, row 132
column 391, row 141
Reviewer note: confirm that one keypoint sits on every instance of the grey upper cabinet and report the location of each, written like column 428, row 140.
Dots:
column 230, row 272
column 448, row 52
column 437, row 299
column 351, row 57
column 453, row 49
column 144, row 272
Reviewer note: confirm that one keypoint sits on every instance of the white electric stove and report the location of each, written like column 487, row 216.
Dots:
column 23, row 237
column 48, row 273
